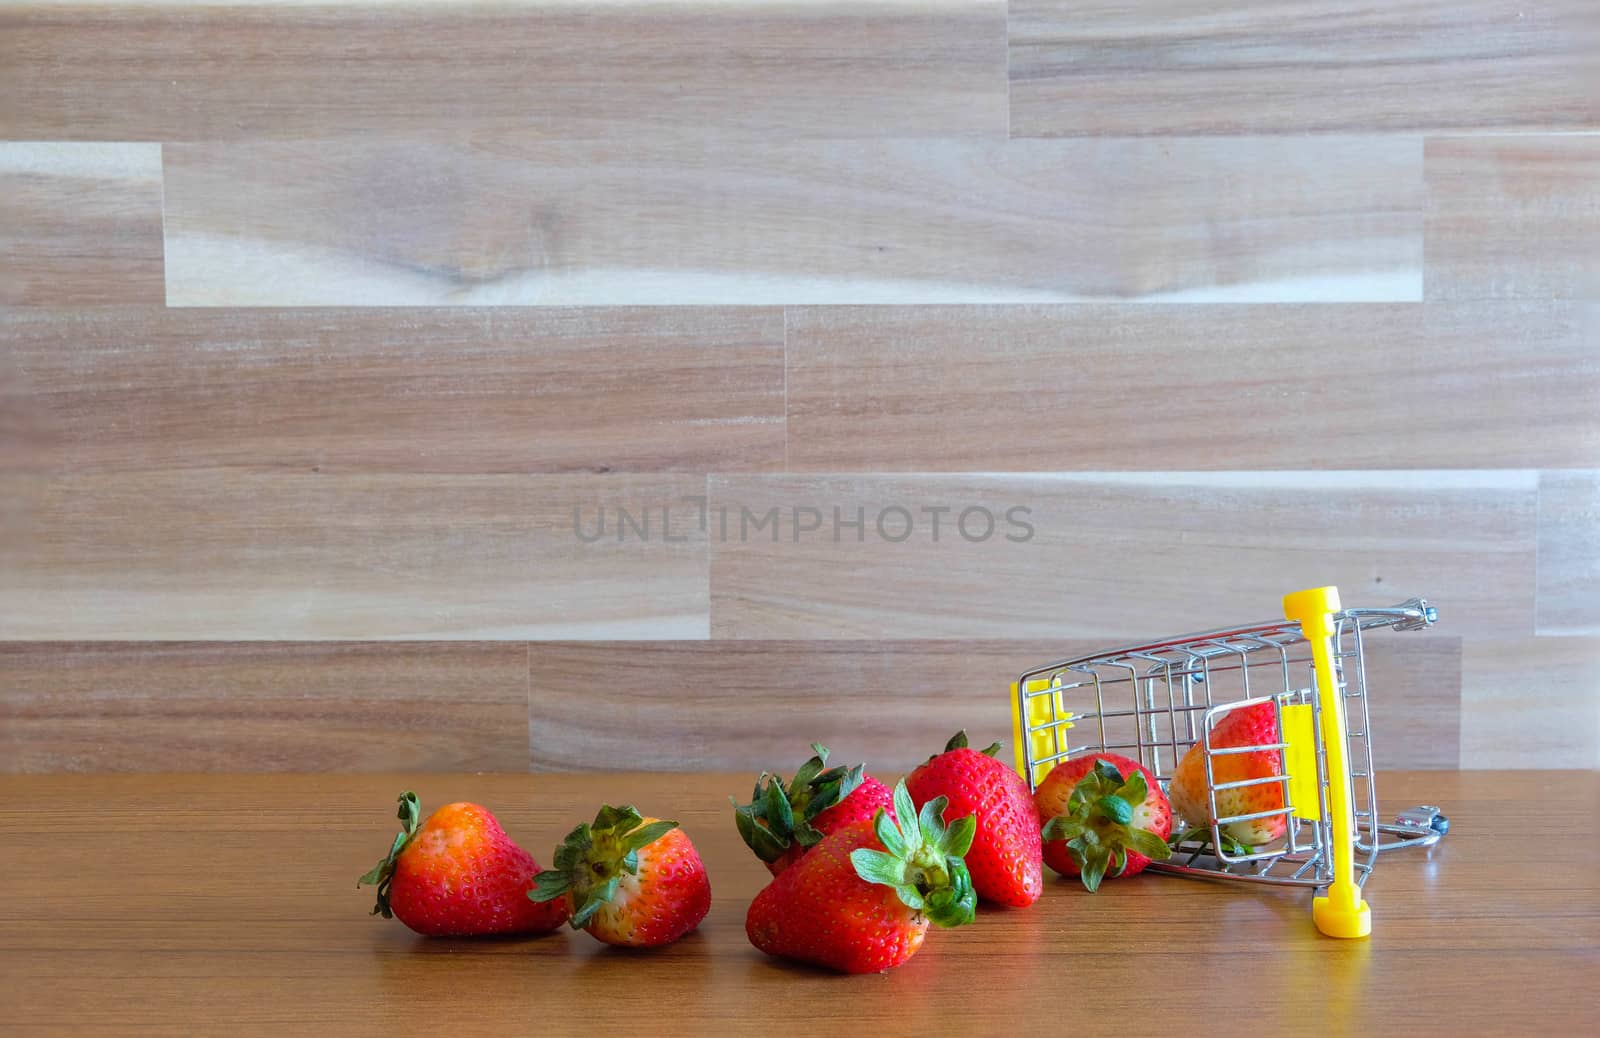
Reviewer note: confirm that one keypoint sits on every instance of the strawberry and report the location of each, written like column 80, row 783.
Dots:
column 628, row 880
column 1005, row 860
column 1100, row 824
column 780, row 824
column 1252, row 725
column 861, row 899
column 458, row 875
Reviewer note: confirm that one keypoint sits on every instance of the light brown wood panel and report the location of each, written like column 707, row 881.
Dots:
column 518, row 220
column 262, row 706
column 1514, row 217
column 756, row 704
column 1111, row 555
column 130, row 69
column 1016, row 388
column 80, row 224
column 109, row 930
column 1309, row 66
column 1569, row 553
column 316, row 556
column 492, row 390
column 1530, row 703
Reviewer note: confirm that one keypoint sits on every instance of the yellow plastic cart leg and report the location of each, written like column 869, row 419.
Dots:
column 1342, row 912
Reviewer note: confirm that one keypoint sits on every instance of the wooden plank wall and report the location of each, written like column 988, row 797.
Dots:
column 326, row 330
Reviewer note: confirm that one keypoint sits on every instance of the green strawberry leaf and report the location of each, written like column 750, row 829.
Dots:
column 878, row 866
column 1062, row 827
column 1093, row 871
column 779, row 814
column 811, row 768
column 807, row 835
column 645, row 835
column 889, row 834
column 549, row 885
column 905, row 813
column 931, row 820
column 1149, row 844
column 958, row 838
column 1107, row 773
column 957, row 741
column 1136, row 790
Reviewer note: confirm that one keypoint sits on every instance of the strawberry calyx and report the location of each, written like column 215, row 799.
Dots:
column 590, row 863
column 922, row 859
column 1098, row 825
column 780, row 816
column 382, row 874
column 958, row 741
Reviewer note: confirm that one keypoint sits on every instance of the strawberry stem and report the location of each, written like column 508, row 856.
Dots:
column 591, row 862
column 780, row 816
column 382, row 874
column 922, row 859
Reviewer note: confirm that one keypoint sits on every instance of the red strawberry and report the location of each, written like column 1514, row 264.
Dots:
column 1100, row 824
column 628, row 879
column 458, row 875
column 780, row 824
column 860, row 900
column 1005, row 858
column 1252, row 725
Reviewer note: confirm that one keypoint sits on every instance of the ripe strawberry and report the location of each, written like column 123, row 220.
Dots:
column 628, row 880
column 1005, row 858
column 458, row 875
column 860, row 900
column 780, row 824
column 1253, row 725
column 1100, row 824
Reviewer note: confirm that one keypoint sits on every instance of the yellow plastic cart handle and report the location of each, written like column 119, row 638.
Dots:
column 1341, row 912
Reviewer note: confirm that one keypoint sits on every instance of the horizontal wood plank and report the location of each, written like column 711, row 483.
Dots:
column 1088, row 387
column 126, row 939
column 262, row 706
column 1569, row 554
column 1530, row 703
column 1514, row 217
column 1102, row 555
column 756, row 704
column 80, row 224
column 515, row 220
column 494, row 390
column 204, row 556
column 133, row 70
column 1311, row 66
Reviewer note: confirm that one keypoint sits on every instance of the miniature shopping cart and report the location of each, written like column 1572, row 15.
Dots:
column 1153, row 702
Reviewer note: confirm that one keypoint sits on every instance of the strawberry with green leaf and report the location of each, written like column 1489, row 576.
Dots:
column 782, row 822
column 458, row 875
column 1102, row 824
column 1005, row 857
column 628, row 880
column 861, row 900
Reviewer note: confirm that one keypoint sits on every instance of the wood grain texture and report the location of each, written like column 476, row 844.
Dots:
column 1569, row 553
column 754, row 705
column 517, row 220
column 1111, row 555
column 1514, row 217
column 513, row 390
column 135, row 70
column 80, row 224
column 1310, row 66
column 1530, row 703
column 254, row 706
column 109, row 932
column 312, row 556
column 1062, row 388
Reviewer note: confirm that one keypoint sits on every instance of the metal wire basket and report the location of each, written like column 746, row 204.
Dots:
column 1153, row 702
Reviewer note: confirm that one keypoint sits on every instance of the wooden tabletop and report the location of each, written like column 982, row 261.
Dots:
column 227, row 904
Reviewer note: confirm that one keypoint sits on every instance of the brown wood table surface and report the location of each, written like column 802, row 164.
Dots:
column 201, row 904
